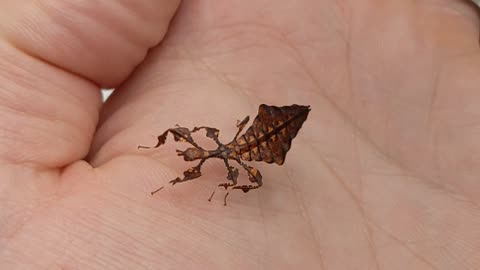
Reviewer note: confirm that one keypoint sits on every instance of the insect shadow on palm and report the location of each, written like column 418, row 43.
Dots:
column 268, row 139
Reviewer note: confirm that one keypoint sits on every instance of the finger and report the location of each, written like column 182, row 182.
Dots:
column 99, row 41
column 55, row 54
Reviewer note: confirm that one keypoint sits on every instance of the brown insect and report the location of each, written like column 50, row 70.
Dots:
column 268, row 139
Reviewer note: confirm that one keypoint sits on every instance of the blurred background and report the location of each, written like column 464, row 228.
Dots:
column 106, row 93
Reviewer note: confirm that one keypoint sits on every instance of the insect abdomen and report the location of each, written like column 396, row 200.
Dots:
column 270, row 136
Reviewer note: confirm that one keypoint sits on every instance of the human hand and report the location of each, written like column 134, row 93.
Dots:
column 383, row 175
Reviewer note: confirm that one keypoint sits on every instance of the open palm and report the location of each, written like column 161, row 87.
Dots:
column 384, row 174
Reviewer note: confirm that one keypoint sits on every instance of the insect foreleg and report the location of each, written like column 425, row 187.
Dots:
column 181, row 134
column 161, row 140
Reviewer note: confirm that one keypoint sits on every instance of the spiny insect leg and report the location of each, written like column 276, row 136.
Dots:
column 189, row 174
column 181, row 134
column 241, row 125
column 211, row 133
column 232, row 175
column 161, row 140
column 253, row 175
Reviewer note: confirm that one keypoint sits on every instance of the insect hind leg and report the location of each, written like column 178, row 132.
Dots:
column 189, row 174
column 254, row 176
column 232, row 176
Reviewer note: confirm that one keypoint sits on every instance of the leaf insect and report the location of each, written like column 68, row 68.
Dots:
column 268, row 139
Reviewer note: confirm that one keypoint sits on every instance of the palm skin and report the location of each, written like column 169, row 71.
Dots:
column 383, row 175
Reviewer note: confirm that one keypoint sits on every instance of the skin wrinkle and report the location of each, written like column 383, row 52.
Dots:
column 27, row 114
column 430, row 119
column 21, row 78
column 432, row 186
column 261, row 262
column 434, row 97
column 62, row 15
column 371, row 242
column 348, row 65
column 69, row 22
column 110, row 22
column 232, row 85
column 229, row 33
column 307, row 217
column 212, row 230
column 21, row 74
column 221, row 77
column 49, row 63
column 57, row 261
column 35, row 208
column 390, row 234
column 44, row 207
column 14, row 136
column 368, row 139
column 361, row 211
column 48, row 117
column 366, row 220
column 271, row 32
column 90, row 220
column 435, row 138
column 124, row 237
column 95, row 218
column 405, row 244
column 344, row 9
column 234, row 30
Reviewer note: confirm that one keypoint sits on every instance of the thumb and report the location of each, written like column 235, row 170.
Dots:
column 55, row 55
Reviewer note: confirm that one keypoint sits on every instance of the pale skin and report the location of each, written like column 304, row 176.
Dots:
column 383, row 175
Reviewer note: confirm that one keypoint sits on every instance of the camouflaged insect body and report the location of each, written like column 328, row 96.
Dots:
column 270, row 136
column 268, row 139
